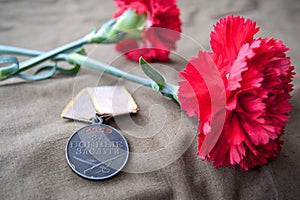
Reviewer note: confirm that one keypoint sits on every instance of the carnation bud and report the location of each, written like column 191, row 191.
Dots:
column 129, row 25
column 130, row 20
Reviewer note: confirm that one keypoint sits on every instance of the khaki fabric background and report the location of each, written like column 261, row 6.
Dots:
column 33, row 136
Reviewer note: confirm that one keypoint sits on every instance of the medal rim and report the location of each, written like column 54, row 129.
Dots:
column 97, row 178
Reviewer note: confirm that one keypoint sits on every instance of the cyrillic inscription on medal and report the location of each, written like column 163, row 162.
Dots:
column 97, row 152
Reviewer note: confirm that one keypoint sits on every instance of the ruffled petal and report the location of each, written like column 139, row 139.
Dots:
column 201, row 74
column 149, row 54
column 162, row 31
column 139, row 6
column 126, row 45
column 229, row 34
column 193, row 92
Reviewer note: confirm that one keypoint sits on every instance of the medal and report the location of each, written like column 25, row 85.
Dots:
column 97, row 151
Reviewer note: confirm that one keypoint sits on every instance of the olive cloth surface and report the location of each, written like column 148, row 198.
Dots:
column 33, row 136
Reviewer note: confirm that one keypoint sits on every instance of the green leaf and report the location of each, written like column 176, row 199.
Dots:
column 45, row 68
column 79, row 50
column 152, row 73
column 50, row 71
column 71, row 71
column 8, row 71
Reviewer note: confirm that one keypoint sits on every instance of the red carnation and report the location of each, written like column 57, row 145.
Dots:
column 162, row 30
column 240, row 93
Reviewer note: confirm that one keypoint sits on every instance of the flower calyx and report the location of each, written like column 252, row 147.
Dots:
column 129, row 25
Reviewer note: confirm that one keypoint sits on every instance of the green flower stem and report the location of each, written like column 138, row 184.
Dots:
column 27, row 52
column 50, row 54
column 75, row 58
column 168, row 90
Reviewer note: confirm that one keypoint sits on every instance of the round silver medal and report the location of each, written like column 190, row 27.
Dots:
column 97, row 151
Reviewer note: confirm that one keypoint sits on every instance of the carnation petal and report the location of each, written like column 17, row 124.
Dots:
column 239, row 66
column 203, row 77
column 229, row 34
column 161, row 32
column 126, row 46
